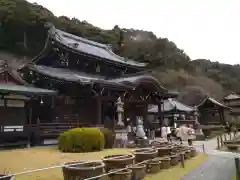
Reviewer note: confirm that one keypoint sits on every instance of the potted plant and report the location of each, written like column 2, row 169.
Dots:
column 118, row 161
column 154, row 165
column 82, row 170
column 143, row 154
column 174, row 159
column 125, row 174
column 163, row 151
column 138, row 170
column 6, row 173
column 193, row 152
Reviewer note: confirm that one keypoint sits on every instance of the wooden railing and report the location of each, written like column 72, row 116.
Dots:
column 54, row 129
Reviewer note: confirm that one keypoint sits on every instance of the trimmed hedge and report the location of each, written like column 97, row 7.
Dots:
column 81, row 140
column 109, row 137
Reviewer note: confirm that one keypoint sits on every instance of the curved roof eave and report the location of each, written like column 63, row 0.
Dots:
column 140, row 79
column 213, row 101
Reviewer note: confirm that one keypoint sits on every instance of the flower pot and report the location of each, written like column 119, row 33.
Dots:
column 193, row 152
column 159, row 143
column 175, row 148
column 232, row 147
column 121, row 175
column 7, row 178
column 154, row 166
column 163, row 151
column 187, row 154
column 165, row 162
column 131, row 145
column 138, row 171
column 118, row 161
column 174, row 159
column 73, row 171
column 144, row 154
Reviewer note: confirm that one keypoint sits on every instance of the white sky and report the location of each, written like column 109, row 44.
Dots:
column 207, row 29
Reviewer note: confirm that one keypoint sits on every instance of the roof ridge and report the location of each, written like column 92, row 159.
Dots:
column 59, row 35
column 77, row 38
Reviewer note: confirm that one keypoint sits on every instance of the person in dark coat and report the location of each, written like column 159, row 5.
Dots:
column 228, row 127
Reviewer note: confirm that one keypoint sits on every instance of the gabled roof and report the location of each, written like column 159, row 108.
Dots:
column 73, row 76
column 232, row 96
column 129, row 82
column 172, row 104
column 24, row 90
column 5, row 68
column 137, row 79
column 213, row 101
column 92, row 48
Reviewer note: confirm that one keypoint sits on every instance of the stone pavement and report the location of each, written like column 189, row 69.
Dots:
column 219, row 166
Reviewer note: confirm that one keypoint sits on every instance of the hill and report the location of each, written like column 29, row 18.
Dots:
column 23, row 31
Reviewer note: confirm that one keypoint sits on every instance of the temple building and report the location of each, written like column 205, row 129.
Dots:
column 17, row 98
column 172, row 111
column 89, row 78
column 233, row 101
column 212, row 111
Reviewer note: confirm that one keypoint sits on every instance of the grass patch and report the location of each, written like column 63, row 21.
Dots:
column 19, row 160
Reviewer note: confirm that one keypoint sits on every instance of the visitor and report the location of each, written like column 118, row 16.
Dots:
column 191, row 135
column 183, row 132
column 164, row 132
column 169, row 133
column 129, row 129
column 177, row 132
column 152, row 131
column 228, row 128
column 234, row 130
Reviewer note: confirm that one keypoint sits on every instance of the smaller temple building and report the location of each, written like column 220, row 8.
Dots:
column 233, row 101
column 172, row 110
column 17, row 100
column 212, row 111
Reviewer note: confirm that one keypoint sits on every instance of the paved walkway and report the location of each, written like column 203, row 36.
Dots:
column 219, row 166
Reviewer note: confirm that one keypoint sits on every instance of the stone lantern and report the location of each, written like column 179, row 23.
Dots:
column 195, row 118
column 120, row 112
column 120, row 129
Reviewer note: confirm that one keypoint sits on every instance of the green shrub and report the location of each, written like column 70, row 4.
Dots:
column 81, row 140
column 109, row 137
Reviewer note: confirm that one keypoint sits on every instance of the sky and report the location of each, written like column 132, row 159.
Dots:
column 208, row 29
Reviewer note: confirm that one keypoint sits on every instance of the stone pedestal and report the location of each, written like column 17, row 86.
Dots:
column 120, row 129
column 121, row 137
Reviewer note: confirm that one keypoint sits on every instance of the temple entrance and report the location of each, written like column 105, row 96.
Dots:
column 133, row 110
column 108, row 114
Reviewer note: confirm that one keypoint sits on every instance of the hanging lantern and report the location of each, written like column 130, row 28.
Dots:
column 41, row 102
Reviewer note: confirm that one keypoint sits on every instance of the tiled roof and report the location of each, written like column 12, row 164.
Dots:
column 172, row 104
column 24, row 90
column 8, row 68
column 131, row 81
column 73, row 76
column 209, row 99
column 232, row 96
column 90, row 47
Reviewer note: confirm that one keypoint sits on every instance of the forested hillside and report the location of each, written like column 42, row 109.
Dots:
column 23, row 31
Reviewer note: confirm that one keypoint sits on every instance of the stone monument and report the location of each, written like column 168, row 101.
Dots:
column 141, row 138
column 140, row 133
column 198, row 131
column 120, row 129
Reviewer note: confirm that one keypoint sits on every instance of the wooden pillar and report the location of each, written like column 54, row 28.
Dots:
column 145, row 120
column 159, row 113
column 162, row 111
column 99, row 111
column 29, row 128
